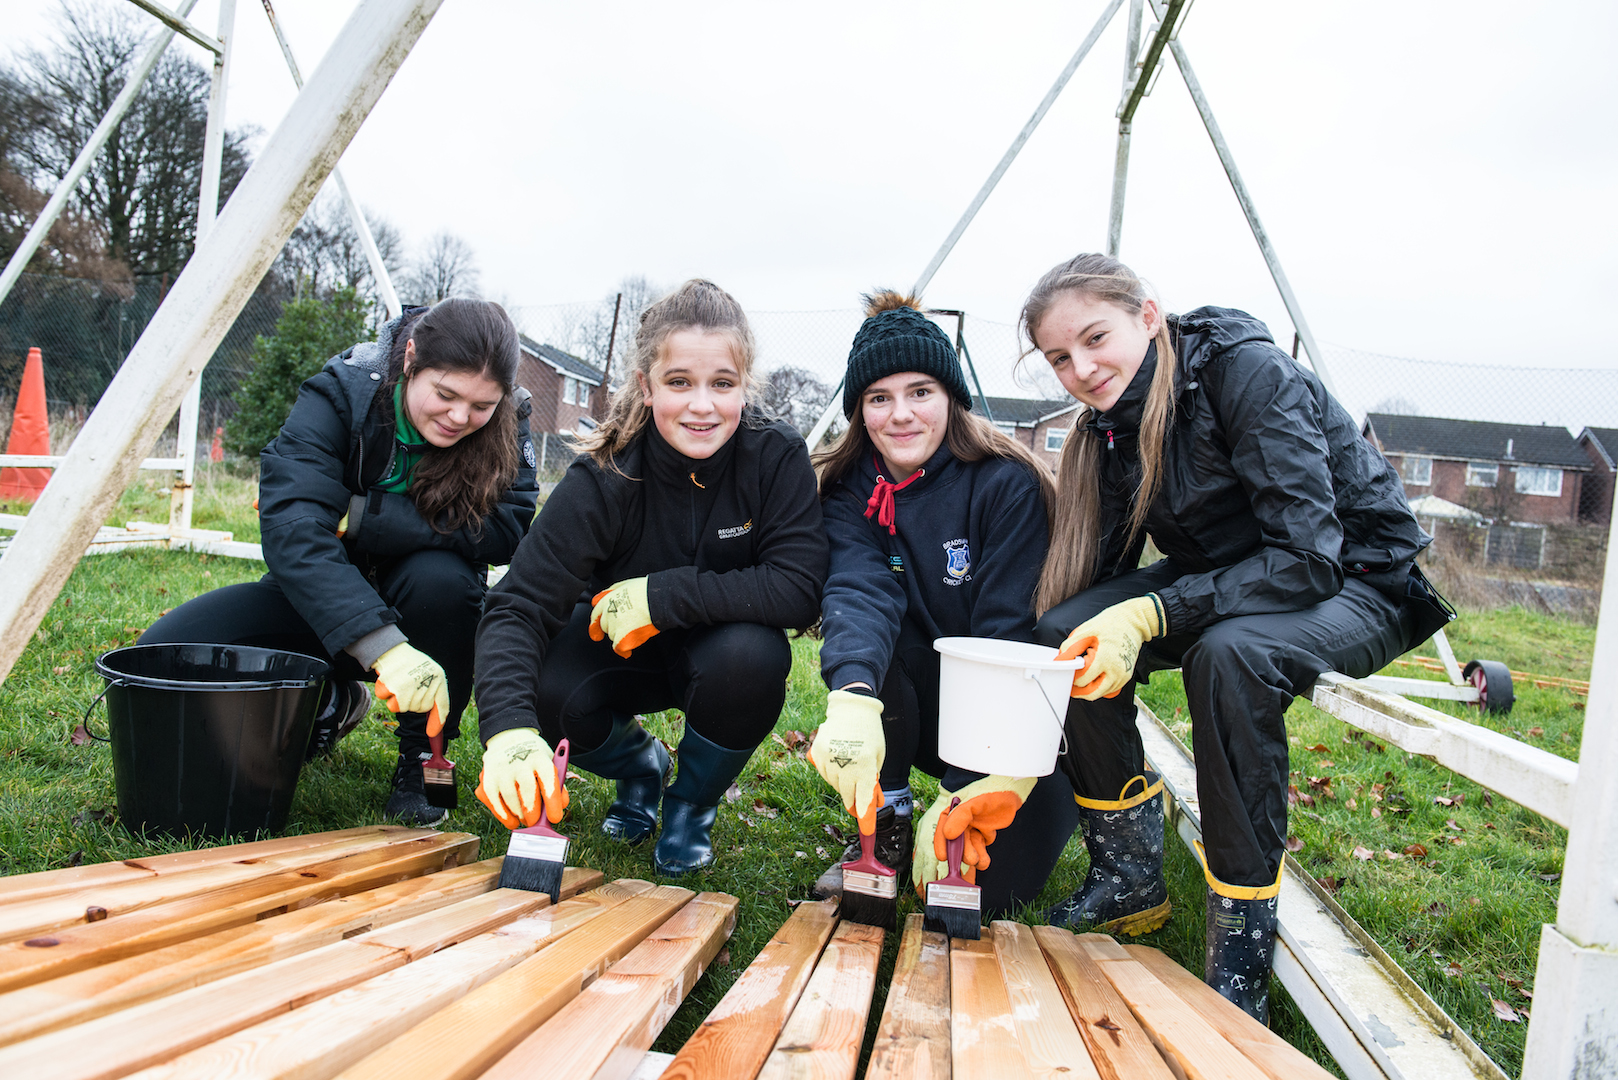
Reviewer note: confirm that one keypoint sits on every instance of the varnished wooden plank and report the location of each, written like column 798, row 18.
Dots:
column 983, row 1033
column 821, row 1040
column 912, row 1041
column 23, row 963
column 605, row 1031
column 1277, row 1057
column 741, row 1030
column 465, row 1039
column 315, row 1043
column 1201, row 1052
column 1099, row 947
column 1051, row 1042
column 1118, row 1046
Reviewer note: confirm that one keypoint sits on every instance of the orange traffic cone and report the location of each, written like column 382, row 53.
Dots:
column 216, row 452
column 30, row 434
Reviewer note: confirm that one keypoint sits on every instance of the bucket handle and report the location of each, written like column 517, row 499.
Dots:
column 1060, row 714
column 85, row 723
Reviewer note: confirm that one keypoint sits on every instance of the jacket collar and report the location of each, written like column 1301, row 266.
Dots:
column 668, row 465
column 1124, row 416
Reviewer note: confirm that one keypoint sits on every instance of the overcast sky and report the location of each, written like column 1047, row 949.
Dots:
column 1437, row 177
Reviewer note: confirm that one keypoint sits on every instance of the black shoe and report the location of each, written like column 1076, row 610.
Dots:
column 641, row 764
column 408, row 804
column 1124, row 892
column 1241, row 948
column 895, row 840
column 691, row 804
column 347, row 702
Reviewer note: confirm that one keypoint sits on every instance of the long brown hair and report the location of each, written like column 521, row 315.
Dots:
column 1076, row 521
column 697, row 305
column 458, row 486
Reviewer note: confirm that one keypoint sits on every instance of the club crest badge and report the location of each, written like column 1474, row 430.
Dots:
column 528, row 452
column 957, row 562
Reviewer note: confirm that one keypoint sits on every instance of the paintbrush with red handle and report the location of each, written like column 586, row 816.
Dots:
column 535, row 858
column 954, row 904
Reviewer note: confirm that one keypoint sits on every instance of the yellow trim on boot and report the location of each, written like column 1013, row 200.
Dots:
column 1139, row 922
column 1238, row 892
column 1125, row 800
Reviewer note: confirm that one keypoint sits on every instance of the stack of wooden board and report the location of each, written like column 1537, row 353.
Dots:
column 378, row 951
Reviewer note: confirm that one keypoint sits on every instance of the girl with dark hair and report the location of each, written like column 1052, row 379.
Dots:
column 1289, row 551
column 938, row 528
column 403, row 471
column 660, row 574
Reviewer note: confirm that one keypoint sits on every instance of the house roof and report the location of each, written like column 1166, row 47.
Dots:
column 1027, row 412
column 566, row 363
column 1475, row 440
column 1605, row 440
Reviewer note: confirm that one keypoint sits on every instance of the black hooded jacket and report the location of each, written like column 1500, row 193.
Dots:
column 1269, row 494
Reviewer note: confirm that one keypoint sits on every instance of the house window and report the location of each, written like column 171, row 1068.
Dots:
column 1416, row 470
column 1055, row 439
column 1480, row 475
column 570, row 389
column 1533, row 481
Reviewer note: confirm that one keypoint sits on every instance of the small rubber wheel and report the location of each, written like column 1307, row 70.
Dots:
column 1493, row 680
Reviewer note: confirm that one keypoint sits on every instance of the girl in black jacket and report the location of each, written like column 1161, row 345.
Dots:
column 403, row 471
column 660, row 574
column 1290, row 551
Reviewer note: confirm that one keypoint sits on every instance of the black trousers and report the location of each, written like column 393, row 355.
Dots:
column 1240, row 676
column 1025, row 852
column 730, row 680
column 438, row 595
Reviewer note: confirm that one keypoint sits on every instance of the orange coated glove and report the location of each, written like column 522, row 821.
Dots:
column 1111, row 641
column 623, row 614
column 987, row 806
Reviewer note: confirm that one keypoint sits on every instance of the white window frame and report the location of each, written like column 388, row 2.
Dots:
column 1006, row 428
column 1058, row 437
column 1528, row 474
column 569, row 389
column 1416, row 470
column 1476, row 471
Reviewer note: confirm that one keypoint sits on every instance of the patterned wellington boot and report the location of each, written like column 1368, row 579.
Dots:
column 1241, row 941
column 895, row 837
column 1124, row 892
column 639, row 762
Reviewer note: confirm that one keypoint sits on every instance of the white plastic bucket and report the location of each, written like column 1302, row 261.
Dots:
column 1001, row 705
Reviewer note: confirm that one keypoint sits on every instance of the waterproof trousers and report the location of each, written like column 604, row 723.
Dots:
column 1240, row 676
column 438, row 597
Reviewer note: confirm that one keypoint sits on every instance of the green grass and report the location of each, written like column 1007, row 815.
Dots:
column 1476, row 904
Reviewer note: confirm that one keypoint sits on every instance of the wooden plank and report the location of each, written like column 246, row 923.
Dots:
column 1118, row 1046
column 68, row 879
column 73, row 999
column 1201, row 1052
column 983, row 1033
column 1051, row 1042
column 465, row 1039
column 316, row 1043
column 741, row 1030
column 144, row 1035
column 604, row 1032
column 912, row 1041
column 32, row 918
column 821, row 1040
column 1277, row 1057
column 80, row 947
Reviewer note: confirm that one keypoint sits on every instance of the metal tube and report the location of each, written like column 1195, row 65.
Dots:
column 1120, row 165
column 178, row 23
column 81, row 164
column 205, row 301
column 1142, row 82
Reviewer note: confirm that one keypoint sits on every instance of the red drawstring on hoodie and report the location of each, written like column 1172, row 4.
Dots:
column 881, row 501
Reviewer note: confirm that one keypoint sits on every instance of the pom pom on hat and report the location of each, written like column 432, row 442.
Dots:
column 897, row 337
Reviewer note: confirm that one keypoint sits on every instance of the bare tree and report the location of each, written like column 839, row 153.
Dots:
column 794, row 395
column 446, row 267
column 588, row 333
column 1397, row 406
column 324, row 254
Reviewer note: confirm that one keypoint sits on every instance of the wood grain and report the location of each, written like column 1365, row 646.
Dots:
column 605, row 1031
column 983, row 1032
column 741, row 1030
column 1201, row 1052
column 1119, row 1048
column 821, row 1040
column 1051, row 1042
column 912, row 1041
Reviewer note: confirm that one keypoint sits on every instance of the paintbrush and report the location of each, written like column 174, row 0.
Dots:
column 954, row 904
column 438, row 774
column 870, row 890
column 536, row 855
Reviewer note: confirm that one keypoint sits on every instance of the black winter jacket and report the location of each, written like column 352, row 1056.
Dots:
column 965, row 561
column 736, row 537
column 337, row 442
column 1270, row 494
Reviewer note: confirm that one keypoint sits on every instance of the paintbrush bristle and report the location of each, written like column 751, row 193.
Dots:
column 439, row 786
column 535, row 863
column 954, row 910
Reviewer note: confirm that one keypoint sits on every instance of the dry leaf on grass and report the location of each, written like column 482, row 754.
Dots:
column 1453, row 970
column 1294, row 844
column 1362, row 853
column 1416, row 851
column 1505, row 1012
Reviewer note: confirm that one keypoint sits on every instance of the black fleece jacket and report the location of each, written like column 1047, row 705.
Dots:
column 736, row 537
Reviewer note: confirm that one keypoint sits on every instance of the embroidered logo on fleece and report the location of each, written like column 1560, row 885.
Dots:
column 958, row 562
column 896, row 563
column 736, row 530
column 528, row 452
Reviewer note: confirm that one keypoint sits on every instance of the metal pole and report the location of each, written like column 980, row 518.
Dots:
column 1271, row 259
column 379, row 271
column 81, row 164
column 178, row 23
column 612, row 339
column 188, row 326
column 1120, row 165
column 213, row 153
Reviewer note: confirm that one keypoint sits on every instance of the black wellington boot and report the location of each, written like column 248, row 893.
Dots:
column 408, row 803
column 1241, row 942
column 895, row 839
column 691, row 804
column 1124, row 892
column 639, row 762
column 345, row 705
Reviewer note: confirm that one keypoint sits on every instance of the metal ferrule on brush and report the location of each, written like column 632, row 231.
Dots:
column 433, row 775
column 885, row 886
column 954, row 896
column 544, row 848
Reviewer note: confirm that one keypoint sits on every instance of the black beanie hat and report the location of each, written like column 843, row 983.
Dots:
column 897, row 337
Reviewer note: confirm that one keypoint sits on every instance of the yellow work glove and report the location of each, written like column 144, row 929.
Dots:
column 342, row 525
column 1112, row 641
column 408, row 680
column 622, row 614
column 518, row 765
column 987, row 806
column 848, row 752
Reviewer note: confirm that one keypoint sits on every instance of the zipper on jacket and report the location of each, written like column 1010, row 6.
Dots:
column 1109, row 439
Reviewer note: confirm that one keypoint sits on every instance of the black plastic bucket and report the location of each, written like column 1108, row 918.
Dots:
column 208, row 739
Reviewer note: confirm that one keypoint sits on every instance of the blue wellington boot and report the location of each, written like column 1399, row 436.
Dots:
column 691, row 804
column 639, row 762
column 1241, row 940
column 1124, row 892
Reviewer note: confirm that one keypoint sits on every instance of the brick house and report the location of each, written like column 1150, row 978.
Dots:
column 1039, row 424
column 1466, row 461
column 565, row 388
column 1600, row 445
